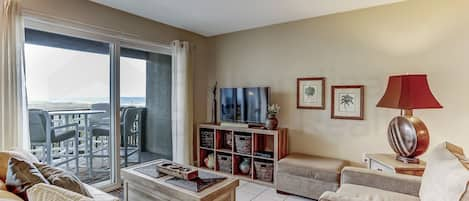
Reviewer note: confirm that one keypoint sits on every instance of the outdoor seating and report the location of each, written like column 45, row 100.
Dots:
column 53, row 133
column 131, row 132
column 44, row 134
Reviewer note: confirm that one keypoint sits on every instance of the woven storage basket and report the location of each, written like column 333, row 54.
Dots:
column 264, row 170
column 228, row 140
column 243, row 144
column 206, row 138
column 224, row 163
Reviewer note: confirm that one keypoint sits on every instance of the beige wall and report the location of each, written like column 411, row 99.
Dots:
column 359, row 47
column 83, row 11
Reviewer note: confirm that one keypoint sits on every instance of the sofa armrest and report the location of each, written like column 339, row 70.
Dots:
column 47, row 192
column 99, row 195
column 331, row 196
column 399, row 183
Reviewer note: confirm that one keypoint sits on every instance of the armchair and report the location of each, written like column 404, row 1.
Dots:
column 446, row 177
column 357, row 183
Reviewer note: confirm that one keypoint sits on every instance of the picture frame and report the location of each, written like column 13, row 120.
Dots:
column 348, row 102
column 310, row 93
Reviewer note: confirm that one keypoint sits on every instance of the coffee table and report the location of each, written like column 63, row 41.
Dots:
column 143, row 183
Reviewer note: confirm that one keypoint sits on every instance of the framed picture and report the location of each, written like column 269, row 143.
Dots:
column 310, row 93
column 347, row 102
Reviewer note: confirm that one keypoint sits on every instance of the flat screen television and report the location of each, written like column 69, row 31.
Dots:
column 244, row 105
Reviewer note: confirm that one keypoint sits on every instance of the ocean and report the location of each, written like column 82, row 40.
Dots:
column 81, row 103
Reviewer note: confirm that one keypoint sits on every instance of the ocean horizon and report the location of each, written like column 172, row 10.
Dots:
column 82, row 103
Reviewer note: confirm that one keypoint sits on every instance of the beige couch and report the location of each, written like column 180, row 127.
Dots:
column 445, row 178
column 45, row 192
column 359, row 184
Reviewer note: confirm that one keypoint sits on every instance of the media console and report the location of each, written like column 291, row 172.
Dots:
column 233, row 150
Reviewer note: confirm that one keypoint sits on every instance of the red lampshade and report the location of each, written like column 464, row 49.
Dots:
column 408, row 92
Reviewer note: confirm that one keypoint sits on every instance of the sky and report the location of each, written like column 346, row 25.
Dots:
column 55, row 73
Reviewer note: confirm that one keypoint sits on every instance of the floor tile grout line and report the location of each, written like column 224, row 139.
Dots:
column 259, row 194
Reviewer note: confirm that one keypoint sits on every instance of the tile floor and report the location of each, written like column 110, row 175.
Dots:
column 249, row 192
column 254, row 192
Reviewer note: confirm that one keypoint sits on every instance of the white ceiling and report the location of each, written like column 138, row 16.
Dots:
column 214, row 17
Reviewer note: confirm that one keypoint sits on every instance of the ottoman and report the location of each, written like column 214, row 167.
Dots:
column 307, row 175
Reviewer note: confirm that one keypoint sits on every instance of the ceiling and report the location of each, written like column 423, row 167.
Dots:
column 214, row 17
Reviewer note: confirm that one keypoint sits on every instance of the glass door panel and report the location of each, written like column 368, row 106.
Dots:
column 68, row 88
column 145, row 90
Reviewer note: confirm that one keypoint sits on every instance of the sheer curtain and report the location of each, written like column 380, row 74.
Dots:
column 181, row 102
column 14, row 132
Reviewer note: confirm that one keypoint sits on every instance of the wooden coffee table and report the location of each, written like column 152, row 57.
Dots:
column 142, row 183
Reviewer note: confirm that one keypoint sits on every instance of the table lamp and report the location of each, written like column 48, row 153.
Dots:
column 407, row 134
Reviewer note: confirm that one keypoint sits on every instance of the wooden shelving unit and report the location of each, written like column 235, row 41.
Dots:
column 272, row 143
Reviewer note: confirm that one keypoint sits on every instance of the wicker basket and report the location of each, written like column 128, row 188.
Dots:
column 264, row 170
column 228, row 140
column 224, row 163
column 243, row 144
column 206, row 138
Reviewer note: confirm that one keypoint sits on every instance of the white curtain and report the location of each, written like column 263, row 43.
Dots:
column 14, row 132
column 182, row 102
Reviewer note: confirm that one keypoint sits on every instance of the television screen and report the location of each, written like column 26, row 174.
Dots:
column 244, row 105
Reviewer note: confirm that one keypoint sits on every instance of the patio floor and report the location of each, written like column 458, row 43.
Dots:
column 101, row 170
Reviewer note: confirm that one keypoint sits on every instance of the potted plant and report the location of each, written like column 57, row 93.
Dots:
column 272, row 121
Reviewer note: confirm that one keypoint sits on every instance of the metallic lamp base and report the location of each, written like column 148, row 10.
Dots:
column 408, row 160
column 408, row 137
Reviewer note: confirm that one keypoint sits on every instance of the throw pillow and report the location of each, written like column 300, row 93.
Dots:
column 445, row 177
column 62, row 178
column 5, row 158
column 22, row 175
column 41, row 192
column 23, row 155
column 3, row 187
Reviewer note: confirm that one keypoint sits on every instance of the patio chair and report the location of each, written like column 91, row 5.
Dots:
column 44, row 134
column 131, row 134
column 101, row 118
column 131, row 131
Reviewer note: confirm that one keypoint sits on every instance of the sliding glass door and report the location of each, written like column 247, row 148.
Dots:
column 96, row 107
column 68, row 87
column 145, row 97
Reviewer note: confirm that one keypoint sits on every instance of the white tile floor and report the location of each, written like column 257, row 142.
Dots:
column 248, row 192
column 254, row 192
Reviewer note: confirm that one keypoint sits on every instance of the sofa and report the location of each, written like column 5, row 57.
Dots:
column 445, row 178
column 360, row 184
column 44, row 192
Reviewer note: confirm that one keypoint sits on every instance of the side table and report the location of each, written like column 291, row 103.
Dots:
column 388, row 163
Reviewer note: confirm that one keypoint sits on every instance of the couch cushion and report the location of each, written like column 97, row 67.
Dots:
column 372, row 194
column 319, row 168
column 21, row 176
column 8, row 196
column 62, row 178
column 445, row 176
column 333, row 196
column 43, row 192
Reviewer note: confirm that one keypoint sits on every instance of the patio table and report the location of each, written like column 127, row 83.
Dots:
column 83, row 112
